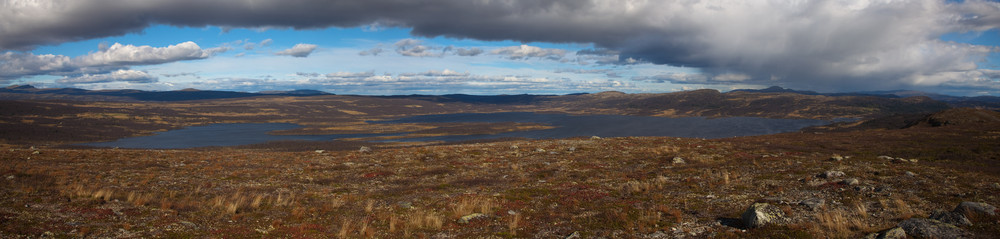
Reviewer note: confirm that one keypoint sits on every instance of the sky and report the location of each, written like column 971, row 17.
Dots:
column 487, row 47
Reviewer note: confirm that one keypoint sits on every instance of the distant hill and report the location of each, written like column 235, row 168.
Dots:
column 17, row 92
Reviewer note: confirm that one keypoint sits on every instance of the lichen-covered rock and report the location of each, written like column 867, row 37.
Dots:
column 953, row 218
column 891, row 233
column 850, row 181
column 930, row 228
column 465, row 219
column 760, row 214
column 975, row 208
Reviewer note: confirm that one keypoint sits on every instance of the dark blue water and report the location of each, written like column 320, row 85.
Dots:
column 219, row 135
column 566, row 126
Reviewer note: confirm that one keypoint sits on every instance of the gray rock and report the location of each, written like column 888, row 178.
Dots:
column 813, row 203
column 760, row 214
column 952, row 218
column 911, row 174
column 465, row 219
column 576, row 234
column 831, row 174
column 930, row 228
column 975, row 208
column 850, row 181
column 883, row 157
column 365, row 149
column 188, row 224
column 891, row 233
column 678, row 160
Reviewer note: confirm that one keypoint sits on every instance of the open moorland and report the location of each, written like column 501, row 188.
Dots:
column 906, row 168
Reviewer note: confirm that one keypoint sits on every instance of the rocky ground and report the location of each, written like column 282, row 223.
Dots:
column 804, row 185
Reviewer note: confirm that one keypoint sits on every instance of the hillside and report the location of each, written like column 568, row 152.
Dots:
column 835, row 184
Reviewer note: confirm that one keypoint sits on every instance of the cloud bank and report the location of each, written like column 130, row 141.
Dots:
column 810, row 44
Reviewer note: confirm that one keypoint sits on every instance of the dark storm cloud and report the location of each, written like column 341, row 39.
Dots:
column 810, row 44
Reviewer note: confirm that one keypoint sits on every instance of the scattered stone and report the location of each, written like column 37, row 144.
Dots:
column 571, row 149
column 36, row 152
column 575, row 234
column 365, row 149
column 10, row 177
column 813, row 203
column 465, row 219
column 883, row 157
column 188, row 224
column 975, row 208
column 514, row 147
column 952, row 218
column 850, row 181
column 911, row 174
column 405, row 205
column 996, row 185
column 320, row 151
column 540, row 150
column 679, row 160
column 760, row 214
column 902, row 160
column 930, row 228
column 831, row 174
column 836, row 157
column 595, row 137
column 891, row 233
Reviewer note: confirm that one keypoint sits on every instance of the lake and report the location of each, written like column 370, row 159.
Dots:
column 566, row 126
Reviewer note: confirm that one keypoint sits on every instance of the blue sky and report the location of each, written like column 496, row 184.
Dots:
column 382, row 47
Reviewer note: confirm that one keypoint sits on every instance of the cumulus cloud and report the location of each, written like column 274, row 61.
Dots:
column 472, row 51
column 299, row 50
column 414, row 47
column 849, row 44
column 107, row 59
column 131, row 76
column 525, row 51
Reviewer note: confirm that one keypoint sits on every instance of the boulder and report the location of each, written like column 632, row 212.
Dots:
column 850, row 181
column 952, row 218
column 975, row 209
column 465, row 219
column 760, row 214
column 930, row 228
column 891, row 233
column 365, row 149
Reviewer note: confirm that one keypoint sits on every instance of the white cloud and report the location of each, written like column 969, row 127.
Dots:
column 414, row 47
column 107, row 59
column 526, row 51
column 474, row 51
column 122, row 55
column 299, row 50
column 132, row 76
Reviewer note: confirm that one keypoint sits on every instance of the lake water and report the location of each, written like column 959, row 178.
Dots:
column 566, row 126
